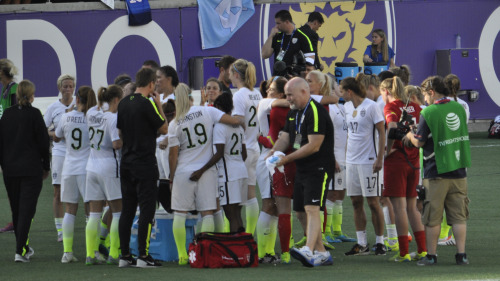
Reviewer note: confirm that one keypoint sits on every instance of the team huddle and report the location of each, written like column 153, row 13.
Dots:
column 305, row 143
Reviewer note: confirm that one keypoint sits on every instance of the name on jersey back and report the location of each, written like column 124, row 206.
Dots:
column 76, row 119
column 190, row 117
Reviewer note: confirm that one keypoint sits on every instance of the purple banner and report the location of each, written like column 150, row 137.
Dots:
column 96, row 46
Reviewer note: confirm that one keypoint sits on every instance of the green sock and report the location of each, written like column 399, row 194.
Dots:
column 68, row 230
column 292, row 241
column 271, row 238
column 252, row 215
column 227, row 226
column 179, row 230
column 91, row 234
column 114, row 237
column 445, row 228
column 329, row 217
column 337, row 218
column 208, row 224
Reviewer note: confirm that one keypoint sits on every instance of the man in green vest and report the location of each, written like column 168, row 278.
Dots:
column 443, row 135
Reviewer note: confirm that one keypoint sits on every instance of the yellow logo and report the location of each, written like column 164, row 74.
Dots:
column 342, row 37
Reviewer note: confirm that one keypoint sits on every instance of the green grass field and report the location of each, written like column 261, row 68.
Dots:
column 482, row 245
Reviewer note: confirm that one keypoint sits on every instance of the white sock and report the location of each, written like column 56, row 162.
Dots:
column 58, row 222
column 387, row 217
column 199, row 222
column 361, row 235
column 219, row 221
column 391, row 231
column 379, row 239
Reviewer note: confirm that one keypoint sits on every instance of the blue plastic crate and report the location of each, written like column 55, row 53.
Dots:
column 162, row 244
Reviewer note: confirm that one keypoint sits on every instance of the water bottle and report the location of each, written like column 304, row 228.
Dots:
column 458, row 42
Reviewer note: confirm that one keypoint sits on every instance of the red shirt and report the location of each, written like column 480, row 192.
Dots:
column 277, row 122
column 392, row 113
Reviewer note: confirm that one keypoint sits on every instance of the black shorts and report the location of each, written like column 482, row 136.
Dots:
column 310, row 188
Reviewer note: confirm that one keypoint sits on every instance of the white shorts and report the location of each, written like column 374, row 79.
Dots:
column 263, row 177
column 339, row 180
column 159, row 160
column 233, row 192
column 251, row 164
column 72, row 188
column 201, row 195
column 361, row 181
column 56, row 169
column 102, row 188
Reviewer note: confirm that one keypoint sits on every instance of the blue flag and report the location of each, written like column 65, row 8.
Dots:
column 139, row 12
column 220, row 19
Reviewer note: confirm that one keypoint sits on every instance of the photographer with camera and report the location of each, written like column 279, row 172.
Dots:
column 443, row 135
column 288, row 45
column 401, row 167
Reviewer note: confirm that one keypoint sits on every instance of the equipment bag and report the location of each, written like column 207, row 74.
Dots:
column 494, row 130
column 216, row 250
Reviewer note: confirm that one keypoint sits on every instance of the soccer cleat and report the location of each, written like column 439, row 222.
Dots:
column 30, row 253
column 322, row 258
column 330, row 239
column 147, row 262
column 417, row 256
column 103, row 251
column 301, row 243
column 380, row 249
column 112, row 261
column 92, row 261
column 461, row 259
column 448, row 241
column 398, row 258
column 127, row 262
column 410, row 238
column 285, row 258
column 268, row 258
column 59, row 236
column 183, row 260
column 392, row 244
column 326, row 244
column 68, row 257
column 8, row 228
column 427, row 260
column 19, row 258
column 344, row 238
column 304, row 255
column 292, row 242
column 358, row 250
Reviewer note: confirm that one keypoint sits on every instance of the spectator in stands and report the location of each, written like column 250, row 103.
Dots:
column 379, row 50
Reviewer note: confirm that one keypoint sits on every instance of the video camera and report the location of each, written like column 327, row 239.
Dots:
column 404, row 126
column 298, row 65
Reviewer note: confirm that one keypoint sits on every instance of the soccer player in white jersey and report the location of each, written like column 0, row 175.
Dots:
column 229, row 144
column 246, row 101
column 103, row 178
column 336, row 191
column 66, row 85
column 73, row 128
column 190, row 144
column 373, row 92
column 364, row 159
